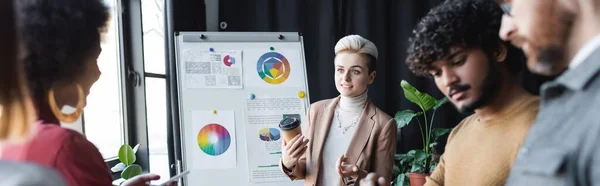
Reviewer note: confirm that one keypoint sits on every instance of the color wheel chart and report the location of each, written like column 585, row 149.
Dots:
column 214, row 139
column 273, row 68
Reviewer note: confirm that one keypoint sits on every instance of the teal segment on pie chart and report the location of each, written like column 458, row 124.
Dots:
column 269, row 134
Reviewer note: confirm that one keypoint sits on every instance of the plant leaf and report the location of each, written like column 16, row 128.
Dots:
column 404, row 117
column 417, row 168
column 424, row 100
column 399, row 181
column 400, row 157
column 402, row 180
column 438, row 132
column 440, row 102
column 410, row 156
column 126, row 155
column 411, row 153
column 395, row 171
column 135, row 149
column 131, row 171
column 421, row 156
column 419, row 162
column 118, row 167
column 433, row 166
column 432, row 145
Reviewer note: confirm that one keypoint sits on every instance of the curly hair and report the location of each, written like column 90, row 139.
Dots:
column 463, row 23
column 57, row 36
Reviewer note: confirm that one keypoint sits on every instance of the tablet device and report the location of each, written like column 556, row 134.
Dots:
column 173, row 179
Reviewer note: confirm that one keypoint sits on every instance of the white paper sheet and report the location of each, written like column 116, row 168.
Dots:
column 264, row 138
column 215, row 138
column 217, row 69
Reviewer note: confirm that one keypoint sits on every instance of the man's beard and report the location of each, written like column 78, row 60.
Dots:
column 549, row 48
column 489, row 89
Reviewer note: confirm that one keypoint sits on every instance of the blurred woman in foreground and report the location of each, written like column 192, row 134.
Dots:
column 15, row 115
column 61, row 41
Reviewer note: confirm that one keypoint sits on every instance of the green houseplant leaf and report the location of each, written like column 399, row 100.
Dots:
column 418, row 168
column 424, row 100
column 440, row 102
column 438, row 132
column 400, row 157
column 419, row 164
column 421, row 156
column 126, row 155
column 404, row 117
column 402, row 180
column 131, row 171
column 432, row 145
column 396, row 170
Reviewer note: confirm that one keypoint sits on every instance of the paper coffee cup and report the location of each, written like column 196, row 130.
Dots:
column 290, row 127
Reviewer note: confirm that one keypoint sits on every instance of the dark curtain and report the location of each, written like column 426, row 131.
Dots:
column 388, row 23
column 180, row 15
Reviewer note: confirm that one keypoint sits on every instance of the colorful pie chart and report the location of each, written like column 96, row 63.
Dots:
column 214, row 139
column 269, row 134
column 273, row 68
column 228, row 60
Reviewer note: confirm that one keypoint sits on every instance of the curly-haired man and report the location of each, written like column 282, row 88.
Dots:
column 457, row 45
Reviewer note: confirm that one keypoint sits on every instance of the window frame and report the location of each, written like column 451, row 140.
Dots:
column 133, row 101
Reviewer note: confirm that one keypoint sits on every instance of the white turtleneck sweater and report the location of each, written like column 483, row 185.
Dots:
column 346, row 113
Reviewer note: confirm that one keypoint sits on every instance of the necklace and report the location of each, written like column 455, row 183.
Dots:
column 337, row 116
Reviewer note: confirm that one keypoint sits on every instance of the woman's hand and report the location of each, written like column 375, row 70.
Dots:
column 292, row 151
column 373, row 179
column 345, row 169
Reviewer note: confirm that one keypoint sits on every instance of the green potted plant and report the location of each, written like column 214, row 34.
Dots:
column 126, row 166
column 418, row 163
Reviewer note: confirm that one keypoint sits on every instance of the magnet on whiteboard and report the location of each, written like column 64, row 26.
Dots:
column 272, row 48
column 251, row 96
column 301, row 94
column 213, row 111
column 211, row 50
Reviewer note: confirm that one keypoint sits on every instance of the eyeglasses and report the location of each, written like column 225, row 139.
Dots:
column 505, row 8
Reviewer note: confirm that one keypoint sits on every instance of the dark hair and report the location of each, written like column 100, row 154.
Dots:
column 57, row 36
column 464, row 23
column 15, row 115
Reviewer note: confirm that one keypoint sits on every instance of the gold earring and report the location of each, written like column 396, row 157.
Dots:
column 67, row 118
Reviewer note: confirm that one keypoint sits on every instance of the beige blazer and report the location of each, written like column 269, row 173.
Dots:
column 372, row 147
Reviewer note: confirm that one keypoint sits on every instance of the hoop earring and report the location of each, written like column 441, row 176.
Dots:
column 67, row 118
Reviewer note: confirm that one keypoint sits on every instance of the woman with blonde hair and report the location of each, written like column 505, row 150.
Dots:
column 347, row 136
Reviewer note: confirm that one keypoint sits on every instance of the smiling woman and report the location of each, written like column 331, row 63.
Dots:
column 337, row 157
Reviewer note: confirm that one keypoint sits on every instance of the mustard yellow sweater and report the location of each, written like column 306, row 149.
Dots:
column 482, row 153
